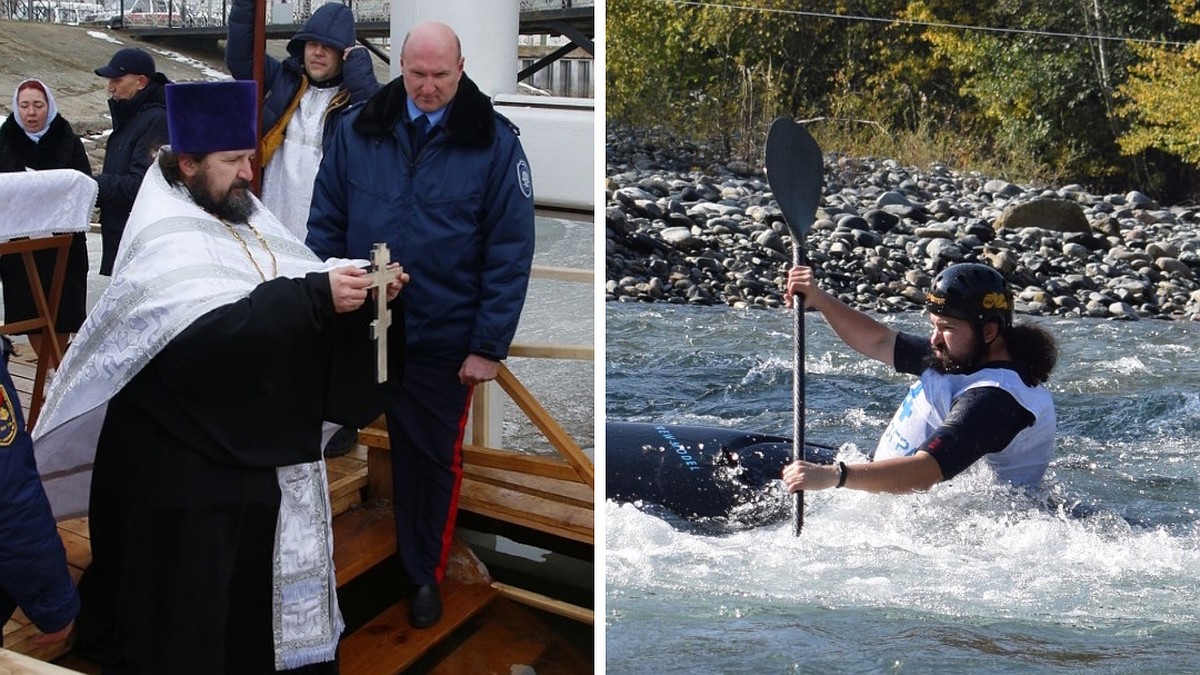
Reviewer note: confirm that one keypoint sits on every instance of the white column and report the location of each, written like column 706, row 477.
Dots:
column 488, row 30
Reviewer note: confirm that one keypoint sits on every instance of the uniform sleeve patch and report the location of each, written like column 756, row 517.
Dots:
column 524, row 178
column 8, row 419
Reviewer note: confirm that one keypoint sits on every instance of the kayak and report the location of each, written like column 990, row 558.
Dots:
column 701, row 474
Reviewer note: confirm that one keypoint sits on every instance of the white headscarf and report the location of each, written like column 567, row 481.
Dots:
column 51, row 110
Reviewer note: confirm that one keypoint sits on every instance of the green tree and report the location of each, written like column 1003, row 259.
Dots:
column 1159, row 98
column 885, row 76
column 713, row 70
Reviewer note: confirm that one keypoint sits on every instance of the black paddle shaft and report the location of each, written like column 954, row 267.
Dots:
column 795, row 171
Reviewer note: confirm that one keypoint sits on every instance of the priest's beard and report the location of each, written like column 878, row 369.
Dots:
column 234, row 206
column 941, row 361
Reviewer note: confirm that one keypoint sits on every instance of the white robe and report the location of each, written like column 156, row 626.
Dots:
column 288, row 178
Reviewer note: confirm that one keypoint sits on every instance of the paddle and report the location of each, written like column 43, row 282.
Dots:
column 795, row 171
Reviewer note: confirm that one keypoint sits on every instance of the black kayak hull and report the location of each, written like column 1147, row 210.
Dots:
column 700, row 473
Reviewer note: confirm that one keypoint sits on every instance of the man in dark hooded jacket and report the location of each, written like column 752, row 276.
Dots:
column 303, row 97
column 139, row 115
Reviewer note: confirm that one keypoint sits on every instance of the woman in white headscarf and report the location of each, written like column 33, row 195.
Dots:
column 33, row 138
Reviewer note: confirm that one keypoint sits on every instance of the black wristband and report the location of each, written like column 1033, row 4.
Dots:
column 842, row 474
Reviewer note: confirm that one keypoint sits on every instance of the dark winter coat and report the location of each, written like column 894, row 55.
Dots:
column 59, row 148
column 139, row 129
column 458, row 215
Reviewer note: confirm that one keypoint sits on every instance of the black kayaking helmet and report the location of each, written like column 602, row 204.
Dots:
column 973, row 292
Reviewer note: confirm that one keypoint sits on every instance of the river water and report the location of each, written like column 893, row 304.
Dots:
column 1098, row 573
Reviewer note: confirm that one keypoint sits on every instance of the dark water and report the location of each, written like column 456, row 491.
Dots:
column 1098, row 573
column 563, row 313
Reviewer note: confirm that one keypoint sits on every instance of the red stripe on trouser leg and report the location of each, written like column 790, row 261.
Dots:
column 456, row 467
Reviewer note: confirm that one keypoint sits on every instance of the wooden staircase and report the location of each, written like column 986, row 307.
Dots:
column 479, row 614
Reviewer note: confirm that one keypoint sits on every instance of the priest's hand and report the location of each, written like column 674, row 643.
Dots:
column 394, row 287
column 477, row 369
column 348, row 285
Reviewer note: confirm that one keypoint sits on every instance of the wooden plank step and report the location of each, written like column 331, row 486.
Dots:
column 347, row 479
column 538, row 465
column 496, row 644
column 23, row 368
column 362, row 538
column 521, row 490
column 512, row 506
column 509, row 638
column 388, row 644
column 568, row 493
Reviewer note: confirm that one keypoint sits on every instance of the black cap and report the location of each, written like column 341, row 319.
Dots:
column 126, row 61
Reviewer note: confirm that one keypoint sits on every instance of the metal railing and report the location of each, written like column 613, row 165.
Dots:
column 201, row 13
column 544, row 5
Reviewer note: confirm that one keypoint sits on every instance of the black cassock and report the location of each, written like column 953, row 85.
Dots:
column 184, row 491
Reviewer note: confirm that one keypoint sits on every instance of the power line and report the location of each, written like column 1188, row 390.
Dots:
column 927, row 24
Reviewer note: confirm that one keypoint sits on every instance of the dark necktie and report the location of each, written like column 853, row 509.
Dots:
column 420, row 132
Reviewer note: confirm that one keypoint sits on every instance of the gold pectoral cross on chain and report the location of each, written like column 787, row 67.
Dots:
column 380, row 277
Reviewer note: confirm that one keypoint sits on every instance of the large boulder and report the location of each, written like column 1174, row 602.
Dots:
column 1059, row 215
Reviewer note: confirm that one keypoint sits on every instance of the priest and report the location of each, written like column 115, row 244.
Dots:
column 198, row 392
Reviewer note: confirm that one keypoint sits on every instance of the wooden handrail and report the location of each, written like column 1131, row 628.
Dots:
column 563, row 274
column 550, row 428
column 551, row 351
column 546, row 603
column 535, row 465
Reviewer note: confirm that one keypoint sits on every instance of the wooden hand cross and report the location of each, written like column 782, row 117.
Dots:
column 380, row 277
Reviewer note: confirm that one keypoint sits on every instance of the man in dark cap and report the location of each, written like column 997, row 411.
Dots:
column 139, row 116
column 305, row 95
column 204, row 375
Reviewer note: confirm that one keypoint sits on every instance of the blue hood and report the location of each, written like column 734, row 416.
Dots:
column 332, row 24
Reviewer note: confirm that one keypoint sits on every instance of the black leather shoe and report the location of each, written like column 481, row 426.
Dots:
column 341, row 441
column 425, row 606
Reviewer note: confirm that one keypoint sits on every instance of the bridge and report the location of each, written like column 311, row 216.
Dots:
column 152, row 20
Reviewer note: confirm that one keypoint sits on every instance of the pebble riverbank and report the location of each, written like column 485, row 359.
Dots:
column 683, row 228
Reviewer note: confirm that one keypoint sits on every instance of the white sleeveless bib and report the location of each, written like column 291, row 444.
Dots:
column 928, row 402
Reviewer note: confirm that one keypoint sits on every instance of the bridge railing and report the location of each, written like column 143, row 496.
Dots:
column 544, row 5
column 213, row 13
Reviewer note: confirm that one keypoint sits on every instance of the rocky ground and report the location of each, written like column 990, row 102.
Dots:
column 684, row 227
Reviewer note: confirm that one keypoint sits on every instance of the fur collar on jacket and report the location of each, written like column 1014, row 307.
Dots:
column 469, row 121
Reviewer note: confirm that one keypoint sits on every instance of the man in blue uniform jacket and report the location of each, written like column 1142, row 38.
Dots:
column 427, row 166
column 33, row 563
